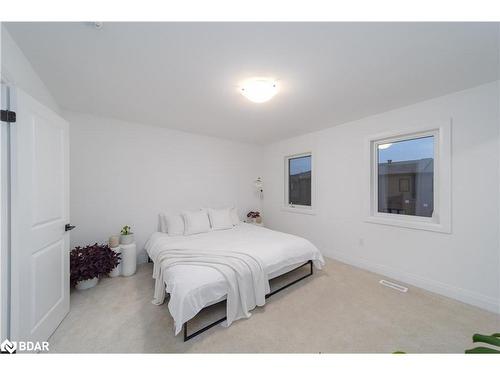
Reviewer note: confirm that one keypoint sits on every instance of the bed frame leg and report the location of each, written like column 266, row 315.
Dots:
column 295, row 281
column 201, row 330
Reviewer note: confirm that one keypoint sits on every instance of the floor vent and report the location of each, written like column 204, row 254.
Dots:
column 394, row 286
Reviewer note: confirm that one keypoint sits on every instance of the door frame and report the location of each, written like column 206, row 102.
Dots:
column 7, row 102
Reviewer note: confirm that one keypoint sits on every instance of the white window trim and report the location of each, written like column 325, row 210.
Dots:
column 295, row 208
column 441, row 218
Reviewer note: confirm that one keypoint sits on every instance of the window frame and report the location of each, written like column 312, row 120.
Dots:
column 441, row 217
column 309, row 210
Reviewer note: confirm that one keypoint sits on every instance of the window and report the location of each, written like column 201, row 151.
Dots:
column 299, row 182
column 410, row 178
column 406, row 177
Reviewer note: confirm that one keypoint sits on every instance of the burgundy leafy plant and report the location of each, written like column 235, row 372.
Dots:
column 253, row 214
column 91, row 261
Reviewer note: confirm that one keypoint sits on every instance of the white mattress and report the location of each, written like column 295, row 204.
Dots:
column 192, row 288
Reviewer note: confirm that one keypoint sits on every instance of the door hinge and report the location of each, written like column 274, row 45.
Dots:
column 8, row 116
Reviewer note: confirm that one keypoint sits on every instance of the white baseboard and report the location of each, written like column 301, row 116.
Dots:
column 463, row 295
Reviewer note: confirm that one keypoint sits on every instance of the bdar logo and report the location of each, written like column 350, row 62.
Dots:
column 8, row 347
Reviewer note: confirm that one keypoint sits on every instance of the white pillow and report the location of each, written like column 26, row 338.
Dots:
column 195, row 222
column 161, row 221
column 173, row 225
column 220, row 218
column 234, row 216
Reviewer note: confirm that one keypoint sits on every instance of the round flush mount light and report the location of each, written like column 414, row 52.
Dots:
column 384, row 146
column 259, row 90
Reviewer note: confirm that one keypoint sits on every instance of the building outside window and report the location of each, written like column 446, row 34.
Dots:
column 406, row 177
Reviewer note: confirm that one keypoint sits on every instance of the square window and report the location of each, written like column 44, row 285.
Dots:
column 405, row 172
column 410, row 178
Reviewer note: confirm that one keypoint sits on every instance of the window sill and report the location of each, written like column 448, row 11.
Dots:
column 299, row 210
column 419, row 225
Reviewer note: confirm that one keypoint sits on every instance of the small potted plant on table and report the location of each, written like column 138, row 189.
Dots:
column 127, row 237
column 87, row 264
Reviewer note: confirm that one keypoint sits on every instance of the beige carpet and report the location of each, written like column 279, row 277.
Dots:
column 340, row 309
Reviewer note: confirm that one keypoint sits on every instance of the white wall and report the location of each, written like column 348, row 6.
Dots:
column 463, row 265
column 17, row 71
column 125, row 173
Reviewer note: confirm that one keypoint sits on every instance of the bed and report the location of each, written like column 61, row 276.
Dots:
column 193, row 287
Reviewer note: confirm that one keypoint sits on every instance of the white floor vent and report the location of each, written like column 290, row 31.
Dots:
column 394, row 286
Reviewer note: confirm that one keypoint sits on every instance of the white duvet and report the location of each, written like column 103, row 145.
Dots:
column 193, row 287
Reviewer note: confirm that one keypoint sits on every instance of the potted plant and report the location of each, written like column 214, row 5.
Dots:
column 127, row 237
column 493, row 340
column 492, row 344
column 255, row 216
column 90, row 262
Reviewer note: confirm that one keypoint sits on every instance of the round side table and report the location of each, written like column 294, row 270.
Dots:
column 129, row 259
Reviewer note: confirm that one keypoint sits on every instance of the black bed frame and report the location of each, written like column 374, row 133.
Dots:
column 201, row 330
column 213, row 324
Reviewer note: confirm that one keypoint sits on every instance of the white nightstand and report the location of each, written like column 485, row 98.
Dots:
column 129, row 259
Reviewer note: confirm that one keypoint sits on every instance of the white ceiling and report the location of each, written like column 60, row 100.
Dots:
column 185, row 75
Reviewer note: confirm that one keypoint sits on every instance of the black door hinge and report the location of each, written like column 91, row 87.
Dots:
column 8, row 116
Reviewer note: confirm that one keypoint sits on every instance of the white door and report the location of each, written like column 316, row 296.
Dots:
column 39, row 212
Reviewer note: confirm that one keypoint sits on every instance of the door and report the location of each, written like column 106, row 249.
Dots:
column 39, row 212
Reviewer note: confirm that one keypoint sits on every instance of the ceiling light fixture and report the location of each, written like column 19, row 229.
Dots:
column 259, row 90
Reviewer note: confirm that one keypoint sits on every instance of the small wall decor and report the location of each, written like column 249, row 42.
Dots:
column 259, row 187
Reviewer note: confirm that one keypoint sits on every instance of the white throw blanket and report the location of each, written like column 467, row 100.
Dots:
column 193, row 287
column 245, row 274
